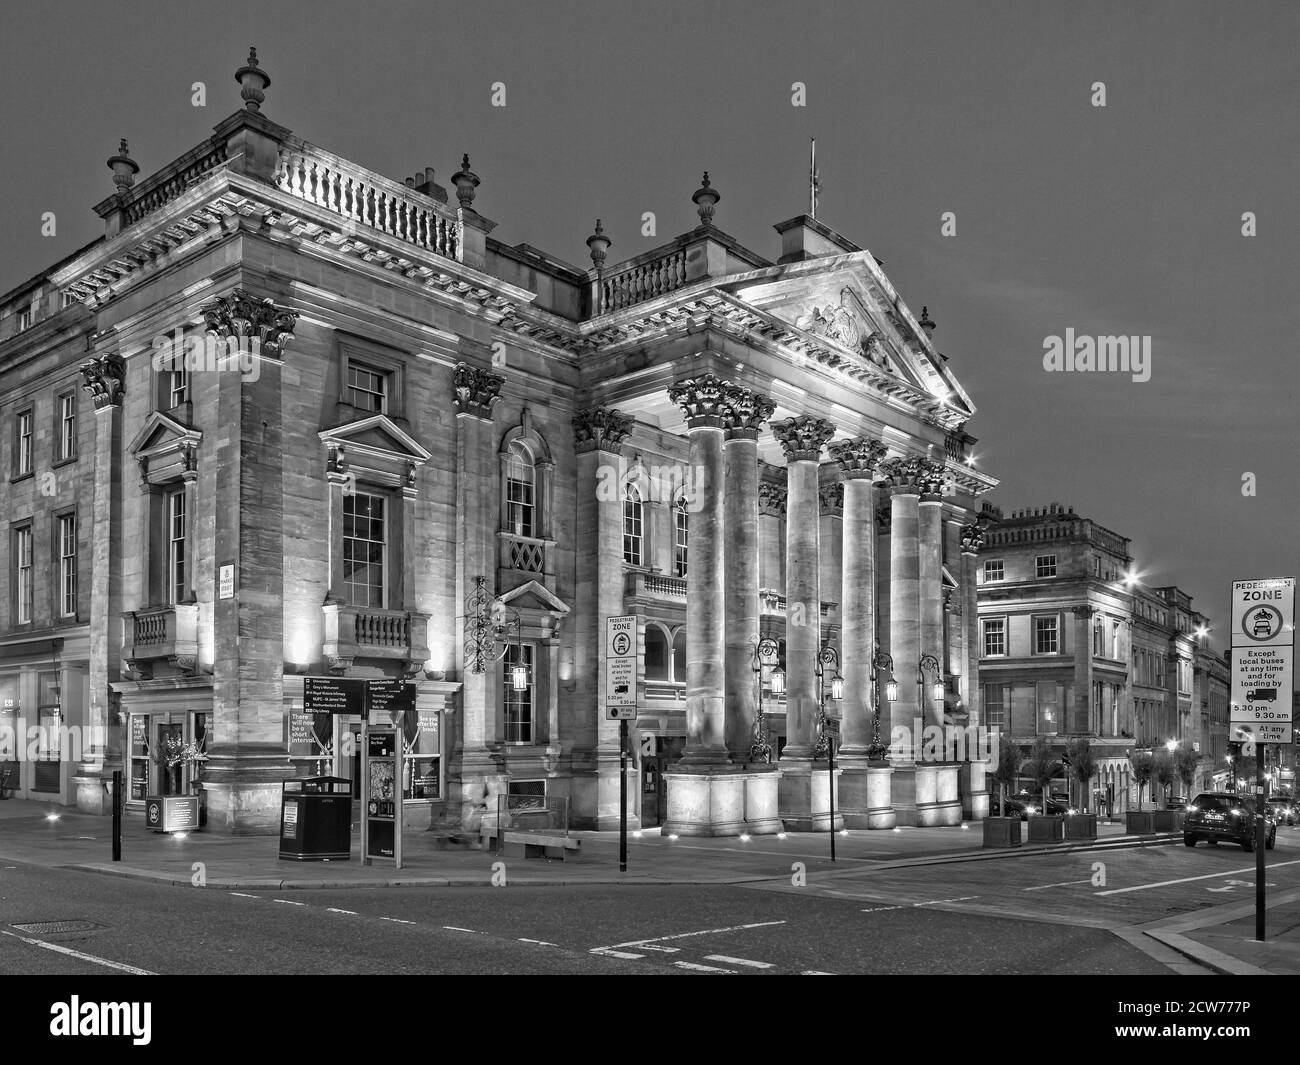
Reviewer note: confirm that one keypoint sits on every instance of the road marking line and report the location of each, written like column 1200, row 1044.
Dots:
column 79, row 955
column 607, row 952
column 331, row 909
column 661, row 950
column 739, row 961
column 539, row 942
column 703, row 968
column 396, row 920
column 241, row 895
column 936, row 902
column 1191, row 879
column 704, row 932
column 881, row 909
column 471, row 931
column 286, row 902
column 1064, row 883
column 814, row 972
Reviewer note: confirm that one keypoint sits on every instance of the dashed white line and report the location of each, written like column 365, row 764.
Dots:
column 286, row 902
column 332, row 909
column 882, row 909
column 241, row 895
column 609, row 953
column 539, row 942
column 1064, row 883
column 396, row 920
column 814, row 972
column 937, row 902
column 703, row 932
column 471, row 931
column 661, row 950
column 58, row 949
column 739, row 961
column 703, row 968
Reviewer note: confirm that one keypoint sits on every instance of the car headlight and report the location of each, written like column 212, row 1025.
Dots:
column 1191, row 808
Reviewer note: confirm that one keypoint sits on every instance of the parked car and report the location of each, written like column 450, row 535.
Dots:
column 1012, row 807
column 1176, row 802
column 1219, row 815
column 1283, row 809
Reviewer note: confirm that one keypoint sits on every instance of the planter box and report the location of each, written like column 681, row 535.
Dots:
column 1002, row 832
column 1138, row 823
column 1081, row 826
column 1166, row 820
column 1046, row 828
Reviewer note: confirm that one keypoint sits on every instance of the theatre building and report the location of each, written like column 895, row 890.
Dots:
column 311, row 423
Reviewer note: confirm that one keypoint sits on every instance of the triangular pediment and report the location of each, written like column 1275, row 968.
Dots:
column 162, row 433
column 846, row 303
column 378, row 436
column 536, row 596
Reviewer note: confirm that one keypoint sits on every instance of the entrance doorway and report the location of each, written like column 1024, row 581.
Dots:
column 161, row 750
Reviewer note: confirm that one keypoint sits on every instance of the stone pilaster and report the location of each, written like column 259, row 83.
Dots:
column 247, row 760
column 105, row 379
column 857, row 460
column 803, row 800
column 930, row 574
column 771, row 525
column 599, row 433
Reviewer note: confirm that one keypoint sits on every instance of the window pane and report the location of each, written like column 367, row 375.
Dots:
column 367, row 389
column 518, row 703
column 656, row 653
column 633, row 515
column 364, row 549
column 520, row 487
column 681, row 537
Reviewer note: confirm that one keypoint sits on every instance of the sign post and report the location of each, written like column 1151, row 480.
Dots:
column 620, row 705
column 1263, row 649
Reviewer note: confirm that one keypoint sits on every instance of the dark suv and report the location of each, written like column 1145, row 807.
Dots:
column 1220, row 815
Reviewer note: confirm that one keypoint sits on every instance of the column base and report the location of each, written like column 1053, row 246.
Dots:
column 925, row 795
column 94, row 785
column 706, row 800
column 863, row 795
column 805, row 796
column 973, row 781
column 244, row 792
column 762, row 801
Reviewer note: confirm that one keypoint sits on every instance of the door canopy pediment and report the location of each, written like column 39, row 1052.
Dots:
column 165, row 447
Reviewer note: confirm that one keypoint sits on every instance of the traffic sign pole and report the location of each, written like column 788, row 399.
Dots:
column 622, row 795
column 1261, row 841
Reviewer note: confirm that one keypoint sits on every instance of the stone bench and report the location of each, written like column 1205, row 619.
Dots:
column 531, row 843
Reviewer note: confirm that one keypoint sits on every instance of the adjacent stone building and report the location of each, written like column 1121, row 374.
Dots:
column 324, row 424
column 1073, row 644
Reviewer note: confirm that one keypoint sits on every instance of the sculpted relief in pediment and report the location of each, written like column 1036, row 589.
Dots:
column 845, row 324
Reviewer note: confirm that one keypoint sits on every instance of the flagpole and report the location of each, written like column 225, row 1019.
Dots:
column 812, row 180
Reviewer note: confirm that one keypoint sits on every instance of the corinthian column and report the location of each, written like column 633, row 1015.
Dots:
column 805, row 796
column 858, row 460
column 905, row 481
column 706, row 402
column 749, row 411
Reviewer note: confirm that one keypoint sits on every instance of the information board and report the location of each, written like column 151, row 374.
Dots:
column 333, row 695
column 382, row 798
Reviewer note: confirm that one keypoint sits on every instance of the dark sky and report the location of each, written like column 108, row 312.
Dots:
column 1117, row 220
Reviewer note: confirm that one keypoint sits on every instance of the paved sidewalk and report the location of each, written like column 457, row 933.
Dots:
column 1220, row 938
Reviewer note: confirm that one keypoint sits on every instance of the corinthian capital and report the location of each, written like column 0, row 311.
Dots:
column 105, row 379
column 705, row 400
column 802, row 438
column 858, row 457
column 749, row 410
column 831, row 496
column 972, row 538
column 932, row 478
column 243, row 318
column 771, row 498
column 475, row 390
column 600, row 429
column 905, row 475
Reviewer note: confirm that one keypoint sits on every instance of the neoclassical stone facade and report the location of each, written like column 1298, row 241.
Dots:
column 338, row 431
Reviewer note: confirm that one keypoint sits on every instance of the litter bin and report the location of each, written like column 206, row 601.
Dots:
column 316, row 819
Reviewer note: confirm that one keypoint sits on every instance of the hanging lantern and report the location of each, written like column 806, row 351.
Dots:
column 519, row 677
column 837, row 687
column 891, row 690
column 938, row 692
column 778, row 681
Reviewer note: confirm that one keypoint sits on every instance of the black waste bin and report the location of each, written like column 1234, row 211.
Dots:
column 316, row 819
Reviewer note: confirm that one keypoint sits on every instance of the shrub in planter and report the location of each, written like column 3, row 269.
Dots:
column 1046, row 828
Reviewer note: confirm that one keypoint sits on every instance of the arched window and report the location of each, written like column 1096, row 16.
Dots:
column 656, row 653
column 679, row 656
column 633, row 526
column 521, row 489
column 681, row 533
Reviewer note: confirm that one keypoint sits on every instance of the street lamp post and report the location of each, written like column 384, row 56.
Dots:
column 881, row 661
column 825, row 745
column 766, row 650
column 930, row 661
